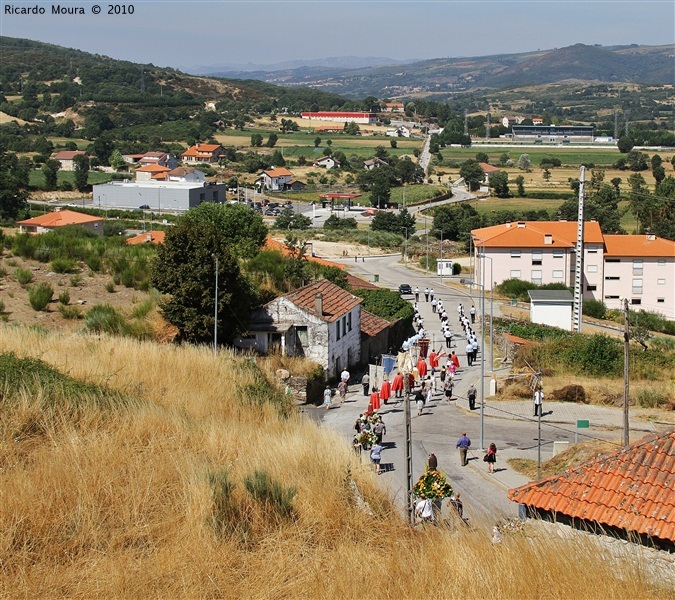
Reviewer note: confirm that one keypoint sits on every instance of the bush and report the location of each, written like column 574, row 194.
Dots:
column 70, row 312
column 384, row 303
column 103, row 318
column 94, row 263
column 594, row 308
column 456, row 269
column 2, row 306
column 23, row 276
column 64, row 297
column 40, row 295
column 110, row 287
column 76, row 280
column 3, row 272
column 270, row 493
column 63, row 265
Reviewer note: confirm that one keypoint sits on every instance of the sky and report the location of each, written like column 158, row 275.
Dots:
column 185, row 34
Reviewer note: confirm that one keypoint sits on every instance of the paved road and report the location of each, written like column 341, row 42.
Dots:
column 509, row 424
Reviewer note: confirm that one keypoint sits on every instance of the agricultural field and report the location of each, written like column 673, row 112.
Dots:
column 37, row 178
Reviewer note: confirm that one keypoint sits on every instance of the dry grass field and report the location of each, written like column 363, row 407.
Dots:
column 141, row 483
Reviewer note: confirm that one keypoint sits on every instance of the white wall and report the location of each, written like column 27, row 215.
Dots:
column 553, row 314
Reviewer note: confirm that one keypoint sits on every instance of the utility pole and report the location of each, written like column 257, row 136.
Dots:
column 487, row 128
column 408, row 457
column 466, row 122
column 215, row 312
column 579, row 258
column 626, row 358
column 482, row 356
column 539, row 411
column 616, row 123
column 626, row 114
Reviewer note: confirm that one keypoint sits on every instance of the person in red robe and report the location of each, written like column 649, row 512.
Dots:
column 422, row 368
column 455, row 360
column 374, row 403
column 433, row 361
column 397, row 385
column 385, row 391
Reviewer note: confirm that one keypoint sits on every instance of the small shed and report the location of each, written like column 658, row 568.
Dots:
column 551, row 307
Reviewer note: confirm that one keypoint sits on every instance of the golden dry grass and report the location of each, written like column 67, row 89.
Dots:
column 118, row 501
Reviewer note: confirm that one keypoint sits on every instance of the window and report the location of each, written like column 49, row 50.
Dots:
column 637, row 267
column 637, row 286
column 557, row 254
column 515, row 253
column 662, row 262
column 591, row 288
column 344, row 326
column 613, row 260
column 660, row 299
column 592, row 268
column 592, row 249
column 536, row 277
column 301, row 332
column 661, row 282
column 557, row 274
column 611, row 297
column 515, row 274
column 349, row 321
column 337, row 329
column 612, row 278
column 537, row 257
column 202, row 196
column 636, row 301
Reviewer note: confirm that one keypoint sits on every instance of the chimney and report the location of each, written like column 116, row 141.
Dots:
column 651, row 237
column 508, row 225
column 548, row 239
column 148, row 238
column 318, row 304
column 197, row 145
column 521, row 224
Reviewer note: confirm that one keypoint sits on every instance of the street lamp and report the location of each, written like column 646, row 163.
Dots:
column 215, row 311
column 492, row 336
column 405, row 245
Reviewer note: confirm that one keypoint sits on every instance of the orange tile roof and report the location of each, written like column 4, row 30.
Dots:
column 360, row 284
column 336, row 301
column 272, row 244
column 153, row 169
column 638, row 245
column 155, row 237
column 514, row 339
column 512, row 235
column 278, row 172
column 633, row 489
column 67, row 154
column 371, row 324
column 487, row 168
column 202, row 150
column 60, row 218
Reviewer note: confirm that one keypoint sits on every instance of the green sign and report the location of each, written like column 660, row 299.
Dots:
column 583, row 424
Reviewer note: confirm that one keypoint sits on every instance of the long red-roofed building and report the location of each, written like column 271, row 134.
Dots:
column 345, row 117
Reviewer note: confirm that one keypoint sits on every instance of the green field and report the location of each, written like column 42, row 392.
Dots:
column 37, row 179
column 568, row 156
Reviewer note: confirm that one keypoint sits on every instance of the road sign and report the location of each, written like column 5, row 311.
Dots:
column 583, row 424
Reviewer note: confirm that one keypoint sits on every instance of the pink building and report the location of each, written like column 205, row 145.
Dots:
column 638, row 267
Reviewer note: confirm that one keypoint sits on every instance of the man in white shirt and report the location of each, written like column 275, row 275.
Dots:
column 538, row 402
column 344, row 376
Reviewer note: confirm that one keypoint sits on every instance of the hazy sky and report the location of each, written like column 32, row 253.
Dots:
column 188, row 33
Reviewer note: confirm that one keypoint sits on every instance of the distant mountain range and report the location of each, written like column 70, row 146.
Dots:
column 334, row 62
column 441, row 78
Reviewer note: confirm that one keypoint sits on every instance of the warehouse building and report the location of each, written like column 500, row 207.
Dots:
column 553, row 133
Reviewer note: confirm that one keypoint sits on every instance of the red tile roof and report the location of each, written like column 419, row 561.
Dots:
column 371, row 324
column 278, row 172
column 154, row 237
column 336, row 301
column 202, row 150
column 632, row 489
column 153, row 169
column 272, row 244
column 359, row 284
column 487, row 168
column 531, row 234
column 60, row 218
column 638, row 245
column 67, row 154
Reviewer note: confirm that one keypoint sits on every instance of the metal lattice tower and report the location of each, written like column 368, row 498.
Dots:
column 487, row 128
column 626, row 113
column 616, row 123
column 466, row 122
column 579, row 259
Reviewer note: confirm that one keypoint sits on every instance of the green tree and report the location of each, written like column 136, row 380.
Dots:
column 380, row 192
column 524, row 163
column 386, row 221
column 317, row 142
column 472, row 173
column 289, row 219
column 547, row 174
column 665, row 223
column 81, row 162
column 352, row 128
column 278, row 159
column 503, row 159
column 520, row 182
column 14, row 175
column 185, row 270
column 456, row 221
column 393, row 143
column 637, row 161
column 272, row 140
column 499, row 182
column 50, row 171
column 116, row 160
column 625, row 144
column 482, row 157
column 256, row 140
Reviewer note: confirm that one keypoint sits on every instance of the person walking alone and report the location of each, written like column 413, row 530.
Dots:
column 472, row 312
column 491, row 457
column 365, row 382
column 538, row 402
column 417, row 295
column 463, row 443
column 471, row 395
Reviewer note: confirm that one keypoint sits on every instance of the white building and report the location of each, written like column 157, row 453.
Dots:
column 344, row 117
column 320, row 321
column 551, row 307
column 274, row 179
column 326, row 162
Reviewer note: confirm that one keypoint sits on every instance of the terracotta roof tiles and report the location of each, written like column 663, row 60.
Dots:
column 336, row 301
column 60, row 218
column 154, row 237
column 638, row 245
column 531, row 234
column 632, row 489
column 371, row 324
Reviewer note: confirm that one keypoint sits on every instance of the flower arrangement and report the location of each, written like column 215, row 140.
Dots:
column 367, row 438
column 511, row 526
column 432, row 484
column 374, row 417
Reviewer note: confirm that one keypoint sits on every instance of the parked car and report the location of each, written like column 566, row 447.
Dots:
column 404, row 288
column 144, row 207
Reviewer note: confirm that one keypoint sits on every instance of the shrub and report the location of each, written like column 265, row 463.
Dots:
column 2, row 306
column 23, row 276
column 94, row 262
column 110, row 287
column 224, row 511
column 103, row 318
column 76, row 280
column 70, row 312
column 384, row 303
column 141, row 311
column 63, row 265
column 64, row 297
column 40, row 295
column 594, row 308
column 3, row 272
column 456, row 268
column 270, row 493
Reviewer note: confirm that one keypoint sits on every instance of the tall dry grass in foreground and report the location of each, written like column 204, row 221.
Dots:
column 138, row 484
